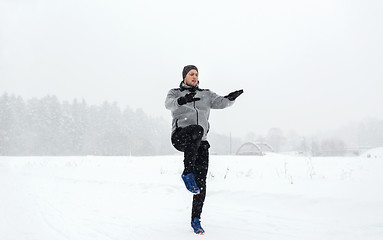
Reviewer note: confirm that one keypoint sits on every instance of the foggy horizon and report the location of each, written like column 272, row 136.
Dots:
column 305, row 66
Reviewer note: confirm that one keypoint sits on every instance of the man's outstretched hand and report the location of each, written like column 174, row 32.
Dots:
column 233, row 95
column 187, row 98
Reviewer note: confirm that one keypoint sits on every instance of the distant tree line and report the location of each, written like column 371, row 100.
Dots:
column 47, row 126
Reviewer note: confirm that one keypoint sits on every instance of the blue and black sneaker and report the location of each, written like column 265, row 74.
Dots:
column 196, row 225
column 190, row 183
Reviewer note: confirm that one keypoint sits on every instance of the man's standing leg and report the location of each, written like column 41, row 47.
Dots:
column 200, row 169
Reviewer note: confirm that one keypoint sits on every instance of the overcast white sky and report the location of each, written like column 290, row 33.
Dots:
column 304, row 65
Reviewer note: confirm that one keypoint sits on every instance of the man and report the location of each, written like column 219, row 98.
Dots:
column 190, row 107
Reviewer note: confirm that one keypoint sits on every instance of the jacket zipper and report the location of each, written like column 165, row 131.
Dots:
column 196, row 112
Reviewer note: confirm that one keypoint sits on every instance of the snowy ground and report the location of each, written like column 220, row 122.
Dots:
column 271, row 197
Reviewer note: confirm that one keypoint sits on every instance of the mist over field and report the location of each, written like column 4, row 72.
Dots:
column 307, row 68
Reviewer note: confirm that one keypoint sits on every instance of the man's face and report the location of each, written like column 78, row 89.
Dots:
column 191, row 78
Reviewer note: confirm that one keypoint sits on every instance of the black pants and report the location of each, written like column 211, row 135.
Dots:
column 196, row 160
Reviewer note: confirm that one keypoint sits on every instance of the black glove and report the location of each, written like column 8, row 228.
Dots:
column 187, row 98
column 233, row 95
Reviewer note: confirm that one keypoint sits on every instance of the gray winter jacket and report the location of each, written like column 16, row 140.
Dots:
column 194, row 113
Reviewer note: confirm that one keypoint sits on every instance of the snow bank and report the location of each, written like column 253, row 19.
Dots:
column 249, row 197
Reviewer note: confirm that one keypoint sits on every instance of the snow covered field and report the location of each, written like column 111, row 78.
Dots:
column 275, row 197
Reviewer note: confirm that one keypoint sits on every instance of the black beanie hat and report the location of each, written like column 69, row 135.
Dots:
column 187, row 69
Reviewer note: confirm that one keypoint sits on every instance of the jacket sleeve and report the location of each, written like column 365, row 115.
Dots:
column 219, row 102
column 171, row 100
